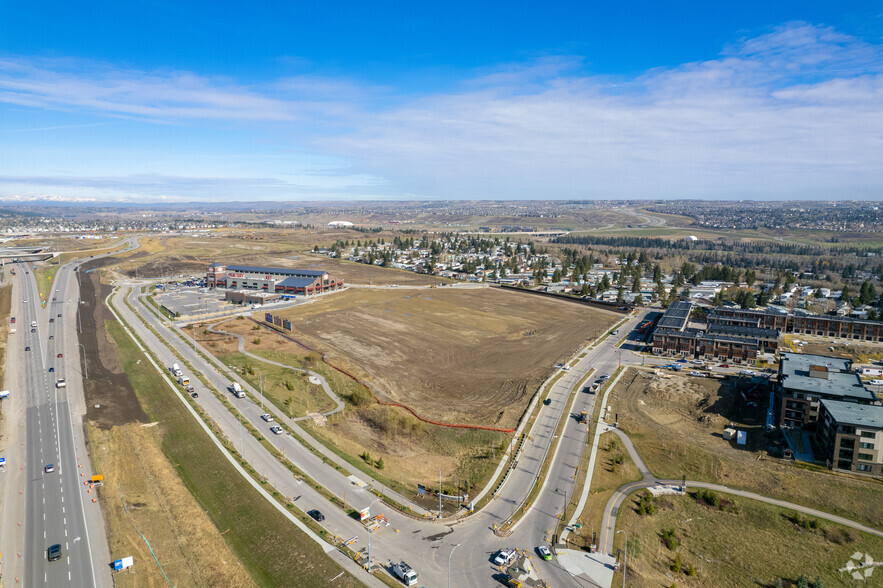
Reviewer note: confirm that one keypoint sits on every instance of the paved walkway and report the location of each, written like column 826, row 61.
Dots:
column 339, row 406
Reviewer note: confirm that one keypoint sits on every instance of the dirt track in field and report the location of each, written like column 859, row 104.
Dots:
column 467, row 356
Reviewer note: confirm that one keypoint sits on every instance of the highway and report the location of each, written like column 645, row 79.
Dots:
column 57, row 507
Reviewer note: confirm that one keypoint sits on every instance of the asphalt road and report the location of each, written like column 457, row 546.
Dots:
column 426, row 544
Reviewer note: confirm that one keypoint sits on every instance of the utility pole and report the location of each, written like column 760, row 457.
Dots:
column 85, row 367
column 625, row 556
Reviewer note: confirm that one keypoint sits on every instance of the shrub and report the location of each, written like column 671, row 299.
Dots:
column 817, row 583
column 256, row 341
column 670, row 539
column 802, row 582
column 691, row 571
column 676, row 564
column 289, row 385
column 379, row 464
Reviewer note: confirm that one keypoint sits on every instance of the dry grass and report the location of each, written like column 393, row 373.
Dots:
column 608, row 476
column 743, row 543
column 5, row 310
column 676, row 426
column 464, row 356
column 186, row 543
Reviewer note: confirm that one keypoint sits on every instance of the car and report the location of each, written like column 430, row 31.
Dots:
column 544, row 552
column 547, row 401
column 60, row 383
column 604, row 377
column 276, row 429
column 12, row 319
column 267, row 418
column 53, row 298
column 33, row 330
column 49, row 468
column 697, row 374
column 54, row 552
column 725, row 365
column 26, row 301
column 27, row 347
column 52, row 320
column 682, row 360
column 318, row 516
column 59, row 315
column 505, row 556
column 194, row 395
column 614, row 332
column 52, row 369
column 60, row 355
column 52, row 336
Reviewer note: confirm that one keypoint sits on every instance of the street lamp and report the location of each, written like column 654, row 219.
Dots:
column 626, row 555
column 369, row 536
column 85, row 367
column 261, row 373
column 449, row 563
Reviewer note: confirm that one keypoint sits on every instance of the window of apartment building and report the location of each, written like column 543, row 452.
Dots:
column 863, row 467
column 865, row 456
column 869, row 434
column 866, row 445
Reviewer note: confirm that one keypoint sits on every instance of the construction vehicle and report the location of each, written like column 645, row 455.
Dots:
column 583, row 417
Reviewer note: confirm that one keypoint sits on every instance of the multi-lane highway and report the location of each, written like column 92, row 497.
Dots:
column 57, row 508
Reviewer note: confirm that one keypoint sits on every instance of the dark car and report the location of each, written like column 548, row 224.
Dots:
column 59, row 315
column 52, row 320
column 547, row 401
column 316, row 515
column 52, row 369
column 194, row 394
column 27, row 348
column 54, row 552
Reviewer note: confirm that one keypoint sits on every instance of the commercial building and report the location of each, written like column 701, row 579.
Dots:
column 251, row 297
column 806, row 380
column 852, row 435
column 271, row 279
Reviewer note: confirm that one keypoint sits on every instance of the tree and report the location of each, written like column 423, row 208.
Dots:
column 636, row 283
column 639, row 300
column 845, row 293
column 802, row 582
column 817, row 583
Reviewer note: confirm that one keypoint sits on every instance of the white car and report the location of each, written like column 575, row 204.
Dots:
column 268, row 418
column 505, row 556
column 60, row 383
column 276, row 429
column 697, row 374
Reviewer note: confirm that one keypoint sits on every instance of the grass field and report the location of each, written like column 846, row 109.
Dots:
column 676, row 426
column 740, row 543
column 157, row 504
column 463, row 356
column 613, row 468
column 270, row 547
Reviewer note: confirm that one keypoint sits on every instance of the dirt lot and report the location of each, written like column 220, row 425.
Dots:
column 465, row 356
column 857, row 351
column 676, row 424
column 361, row 273
column 157, row 504
column 108, row 385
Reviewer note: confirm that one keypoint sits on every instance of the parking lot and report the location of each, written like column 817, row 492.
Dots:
column 187, row 301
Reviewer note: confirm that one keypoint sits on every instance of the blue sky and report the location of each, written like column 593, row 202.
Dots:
column 174, row 101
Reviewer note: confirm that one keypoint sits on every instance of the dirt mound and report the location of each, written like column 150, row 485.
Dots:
column 108, row 385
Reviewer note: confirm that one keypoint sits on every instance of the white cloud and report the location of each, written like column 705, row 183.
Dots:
column 794, row 113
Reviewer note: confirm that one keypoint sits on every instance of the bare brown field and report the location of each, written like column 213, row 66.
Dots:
column 187, row 544
column 464, row 356
column 676, row 424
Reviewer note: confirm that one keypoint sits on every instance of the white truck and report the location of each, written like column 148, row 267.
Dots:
column 238, row 392
column 184, row 380
column 404, row 573
column 176, row 370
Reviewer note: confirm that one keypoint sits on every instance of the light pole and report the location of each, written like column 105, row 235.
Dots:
column 85, row 367
column 369, row 537
column 261, row 374
column 449, row 563
column 626, row 555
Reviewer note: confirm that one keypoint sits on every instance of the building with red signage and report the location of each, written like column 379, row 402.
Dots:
column 271, row 279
